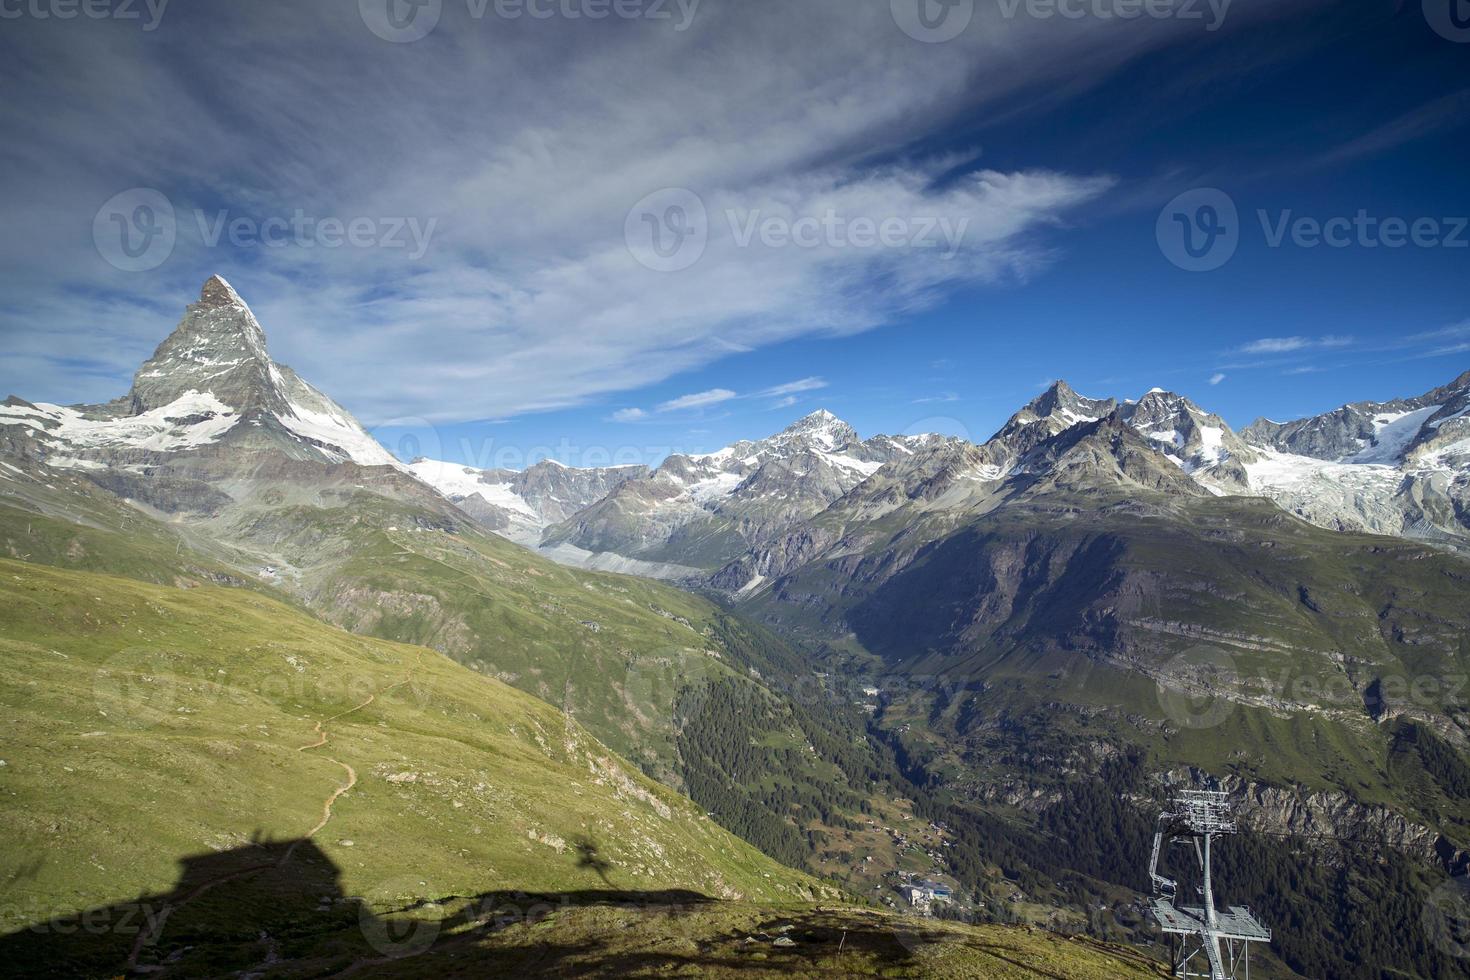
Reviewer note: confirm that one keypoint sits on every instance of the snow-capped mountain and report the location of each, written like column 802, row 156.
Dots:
column 1400, row 467
column 209, row 387
column 1052, row 412
column 1196, row 440
column 700, row 510
column 520, row 504
column 1428, row 430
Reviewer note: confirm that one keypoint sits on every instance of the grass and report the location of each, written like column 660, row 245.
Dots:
column 617, row 653
column 145, row 724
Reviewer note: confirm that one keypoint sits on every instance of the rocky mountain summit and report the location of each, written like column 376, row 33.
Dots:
column 211, row 390
column 1424, row 427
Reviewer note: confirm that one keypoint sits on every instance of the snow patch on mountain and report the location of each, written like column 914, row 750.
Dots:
column 192, row 420
column 337, row 430
column 459, row 482
column 1394, row 432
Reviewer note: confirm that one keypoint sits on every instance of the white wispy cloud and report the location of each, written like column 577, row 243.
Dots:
column 528, row 297
column 1285, row 345
column 629, row 415
column 786, row 402
column 1217, row 377
column 700, row 399
column 794, row 387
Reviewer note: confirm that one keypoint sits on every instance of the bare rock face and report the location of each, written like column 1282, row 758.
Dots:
column 218, row 348
column 1327, row 816
column 557, row 492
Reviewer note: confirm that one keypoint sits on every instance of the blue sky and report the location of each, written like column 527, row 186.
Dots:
column 532, row 323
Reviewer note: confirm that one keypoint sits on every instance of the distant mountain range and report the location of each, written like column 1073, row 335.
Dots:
column 1400, row 467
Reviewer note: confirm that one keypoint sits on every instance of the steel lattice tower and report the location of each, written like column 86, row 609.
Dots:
column 1201, row 936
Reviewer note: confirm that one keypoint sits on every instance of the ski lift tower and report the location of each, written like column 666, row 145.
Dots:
column 1204, row 941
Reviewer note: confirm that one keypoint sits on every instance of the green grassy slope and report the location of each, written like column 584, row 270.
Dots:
column 628, row 658
column 142, row 725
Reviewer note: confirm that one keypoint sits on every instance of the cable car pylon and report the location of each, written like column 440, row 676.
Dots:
column 1204, row 941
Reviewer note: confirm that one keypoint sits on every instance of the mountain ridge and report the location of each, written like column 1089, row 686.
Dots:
column 1406, row 474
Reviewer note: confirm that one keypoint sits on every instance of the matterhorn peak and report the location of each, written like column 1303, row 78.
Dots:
column 218, row 292
column 218, row 348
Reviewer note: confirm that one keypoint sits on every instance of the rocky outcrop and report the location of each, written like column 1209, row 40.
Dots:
column 1326, row 818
